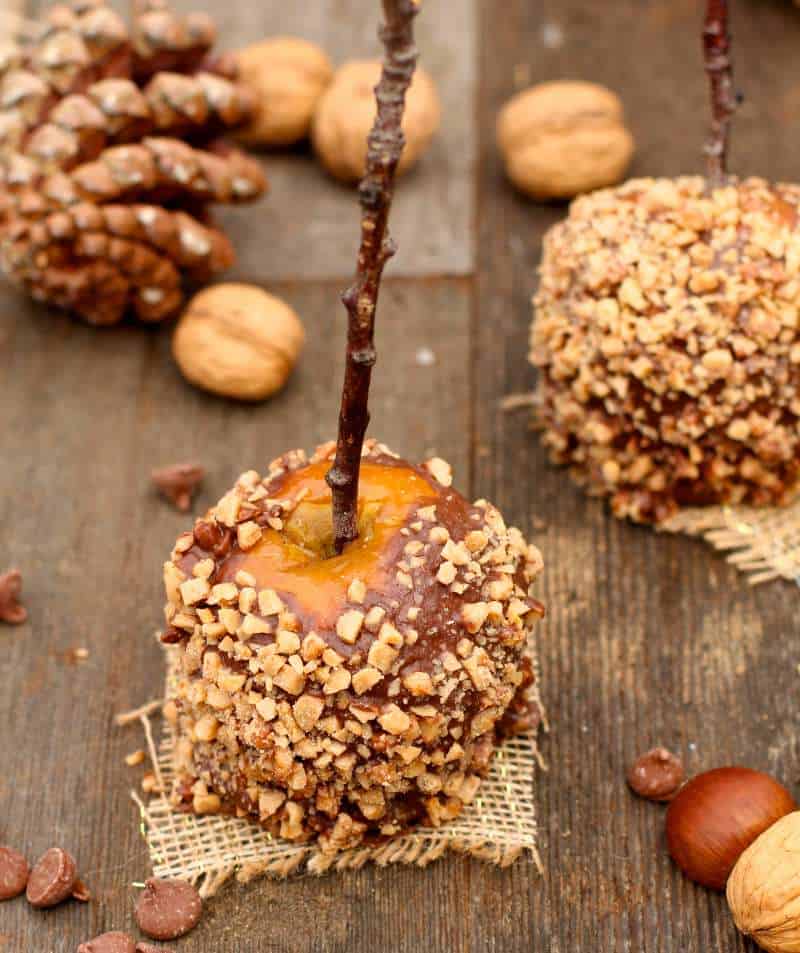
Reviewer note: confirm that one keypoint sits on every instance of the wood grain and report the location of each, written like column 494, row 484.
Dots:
column 308, row 223
column 87, row 415
column 649, row 639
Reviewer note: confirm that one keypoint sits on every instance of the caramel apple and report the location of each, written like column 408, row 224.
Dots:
column 350, row 635
column 349, row 696
column 666, row 333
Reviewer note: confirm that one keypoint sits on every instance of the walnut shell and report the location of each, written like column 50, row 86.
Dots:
column 563, row 138
column 238, row 341
column 346, row 111
column 288, row 75
column 764, row 887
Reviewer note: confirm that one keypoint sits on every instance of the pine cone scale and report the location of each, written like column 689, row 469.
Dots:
column 109, row 156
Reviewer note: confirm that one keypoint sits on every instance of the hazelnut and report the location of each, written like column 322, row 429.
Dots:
column 346, row 111
column 563, row 138
column 237, row 341
column 762, row 888
column 717, row 815
column 288, row 76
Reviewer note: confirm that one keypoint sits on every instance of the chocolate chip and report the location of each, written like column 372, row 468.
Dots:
column 168, row 909
column 109, row 943
column 656, row 775
column 52, row 879
column 11, row 609
column 13, row 873
column 80, row 891
column 178, row 482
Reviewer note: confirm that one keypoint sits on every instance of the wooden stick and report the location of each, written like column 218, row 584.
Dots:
column 717, row 57
column 384, row 147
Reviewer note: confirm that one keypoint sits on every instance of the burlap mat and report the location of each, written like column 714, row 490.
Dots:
column 499, row 826
column 763, row 543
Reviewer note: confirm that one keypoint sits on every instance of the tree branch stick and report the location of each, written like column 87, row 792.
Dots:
column 384, row 147
column 717, row 57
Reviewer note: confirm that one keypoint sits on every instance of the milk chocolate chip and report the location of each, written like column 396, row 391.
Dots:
column 52, row 879
column 168, row 909
column 656, row 775
column 178, row 483
column 109, row 943
column 81, row 892
column 13, row 873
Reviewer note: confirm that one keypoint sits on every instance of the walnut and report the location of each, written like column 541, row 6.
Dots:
column 238, row 341
column 346, row 111
column 562, row 138
column 288, row 75
column 762, row 889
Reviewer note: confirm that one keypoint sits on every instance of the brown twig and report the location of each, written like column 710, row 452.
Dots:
column 384, row 147
column 717, row 57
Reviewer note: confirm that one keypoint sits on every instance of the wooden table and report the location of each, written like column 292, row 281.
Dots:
column 649, row 639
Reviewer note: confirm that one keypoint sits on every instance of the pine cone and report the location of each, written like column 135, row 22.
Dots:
column 110, row 156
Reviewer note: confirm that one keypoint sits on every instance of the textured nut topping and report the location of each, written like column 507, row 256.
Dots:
column 666, row 320
column 349, row 625
column 341, row 698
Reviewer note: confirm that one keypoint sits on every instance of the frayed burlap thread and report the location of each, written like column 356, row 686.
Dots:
column 762, row 543
column 499, row 826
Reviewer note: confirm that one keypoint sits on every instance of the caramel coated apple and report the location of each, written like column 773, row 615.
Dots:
column 347, row 696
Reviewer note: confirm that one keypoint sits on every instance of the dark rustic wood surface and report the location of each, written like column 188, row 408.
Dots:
column 649, row 639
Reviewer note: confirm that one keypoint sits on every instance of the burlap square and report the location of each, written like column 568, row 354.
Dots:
column 763, row 543
column 499, row 826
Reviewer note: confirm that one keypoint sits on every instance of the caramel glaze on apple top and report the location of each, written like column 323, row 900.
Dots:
column 347, row 696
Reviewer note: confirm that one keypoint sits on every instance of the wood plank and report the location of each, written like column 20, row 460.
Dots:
column 308, row 223
column 86, row 416
column 650, row 640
